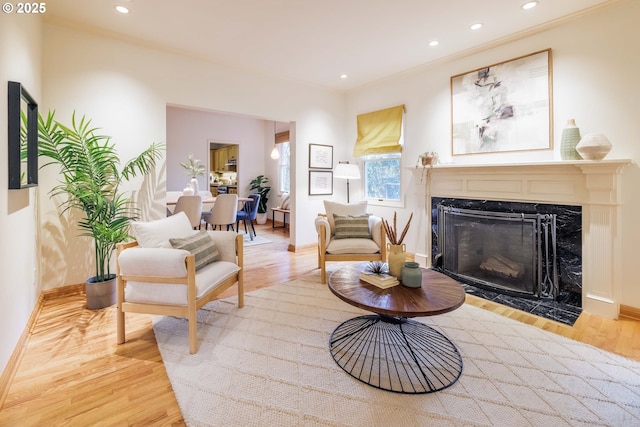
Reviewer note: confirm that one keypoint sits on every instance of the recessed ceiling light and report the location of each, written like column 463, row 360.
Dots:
column 122, row 9
column 476, row 26
column 433, row 43
column 529, row 5
column 343, row 76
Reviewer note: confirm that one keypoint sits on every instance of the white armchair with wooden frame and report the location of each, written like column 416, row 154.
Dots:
column 348, row 233
column 174, row 270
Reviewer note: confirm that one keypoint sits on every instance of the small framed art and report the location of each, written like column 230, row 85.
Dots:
column 320, row 156
column 320, row 183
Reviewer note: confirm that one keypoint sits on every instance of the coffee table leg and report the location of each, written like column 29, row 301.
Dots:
column 396, row 354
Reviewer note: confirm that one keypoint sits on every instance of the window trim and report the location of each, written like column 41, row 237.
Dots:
column 400, row 203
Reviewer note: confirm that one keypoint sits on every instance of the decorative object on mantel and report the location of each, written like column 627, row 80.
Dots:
column 194, row 169
column 593, row 146
column 395, row 246
column 426, row 160
column 570, row 138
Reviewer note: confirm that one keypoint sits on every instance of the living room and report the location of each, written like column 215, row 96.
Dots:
column 125, row 87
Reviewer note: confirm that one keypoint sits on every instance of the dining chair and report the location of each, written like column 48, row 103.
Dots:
column 192, row 206
column 223, row 212
column 249, row 212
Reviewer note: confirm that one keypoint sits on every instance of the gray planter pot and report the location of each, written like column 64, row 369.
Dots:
column 100, row 294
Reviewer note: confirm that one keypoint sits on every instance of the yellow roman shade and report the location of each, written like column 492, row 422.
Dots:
column 379, row 132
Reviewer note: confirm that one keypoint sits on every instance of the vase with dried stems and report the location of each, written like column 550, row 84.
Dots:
column 395, row 248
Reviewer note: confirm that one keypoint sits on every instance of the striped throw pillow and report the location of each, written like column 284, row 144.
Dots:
column 352, row 227
column 201, row 245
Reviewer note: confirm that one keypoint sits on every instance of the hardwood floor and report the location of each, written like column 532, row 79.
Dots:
column 72, row 372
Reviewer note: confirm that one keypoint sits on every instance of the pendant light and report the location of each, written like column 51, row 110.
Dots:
column 275, row 154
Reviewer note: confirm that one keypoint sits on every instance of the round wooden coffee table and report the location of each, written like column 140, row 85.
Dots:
column 387, row 350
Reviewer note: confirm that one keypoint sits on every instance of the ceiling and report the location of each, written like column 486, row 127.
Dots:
column 315, row 41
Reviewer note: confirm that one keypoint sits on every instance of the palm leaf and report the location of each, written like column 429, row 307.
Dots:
column 90, row 179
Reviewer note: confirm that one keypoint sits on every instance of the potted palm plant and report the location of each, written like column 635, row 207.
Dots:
column 260, row 185
column 91, row 178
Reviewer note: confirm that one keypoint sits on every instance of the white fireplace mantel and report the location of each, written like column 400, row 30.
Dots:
column 593, row 185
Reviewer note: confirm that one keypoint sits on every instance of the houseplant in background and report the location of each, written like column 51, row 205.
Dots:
column 91, row 180
column 260, row 185
column 426, row 160
column 194, row 169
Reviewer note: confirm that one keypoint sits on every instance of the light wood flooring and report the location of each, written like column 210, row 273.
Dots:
column 72, row 372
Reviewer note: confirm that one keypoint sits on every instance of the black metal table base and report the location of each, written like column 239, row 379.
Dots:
column 396, row 354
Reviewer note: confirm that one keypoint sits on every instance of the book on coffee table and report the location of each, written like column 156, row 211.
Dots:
column 380, row 280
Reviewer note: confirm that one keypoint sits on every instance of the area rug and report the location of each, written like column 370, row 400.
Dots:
column 257, row 240
column 268, row 364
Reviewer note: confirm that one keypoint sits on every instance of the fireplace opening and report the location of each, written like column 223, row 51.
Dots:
column 518, row 254
column 511, row 252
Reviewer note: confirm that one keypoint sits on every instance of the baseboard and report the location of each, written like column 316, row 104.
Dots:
column 294, row 248
column 631, row 313
column 16, row 356
column 62, row 291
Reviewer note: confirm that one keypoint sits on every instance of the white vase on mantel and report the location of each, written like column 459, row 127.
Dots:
column 594, row 146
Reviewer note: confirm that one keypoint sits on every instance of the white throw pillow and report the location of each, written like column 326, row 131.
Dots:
column 156, row 234
column 342, row 209
column 284, row 201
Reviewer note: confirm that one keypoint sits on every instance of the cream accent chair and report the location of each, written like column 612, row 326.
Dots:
column 155, row 278
column 348, row 249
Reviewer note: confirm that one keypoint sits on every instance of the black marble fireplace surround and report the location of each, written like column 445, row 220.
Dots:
column 566, row 307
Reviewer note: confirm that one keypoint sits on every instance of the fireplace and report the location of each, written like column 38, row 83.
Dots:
column 591, row 189
column 527, row 250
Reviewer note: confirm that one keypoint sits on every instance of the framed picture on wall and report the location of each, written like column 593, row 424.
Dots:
column 320, row 183
column 320, row 156
column 503, row 107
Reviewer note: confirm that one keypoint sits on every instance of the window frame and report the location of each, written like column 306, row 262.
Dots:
column 281, row 148
column 399, row 203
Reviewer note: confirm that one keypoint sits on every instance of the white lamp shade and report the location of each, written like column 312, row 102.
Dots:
column 347, row 171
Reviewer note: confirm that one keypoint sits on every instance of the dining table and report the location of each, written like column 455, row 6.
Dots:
column 210, row 201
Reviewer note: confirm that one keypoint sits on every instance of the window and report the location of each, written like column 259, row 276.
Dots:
column 284, row 167
column 379, row 144
column 382, row 177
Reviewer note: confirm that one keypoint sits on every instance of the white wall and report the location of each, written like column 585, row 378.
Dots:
column 188, row 131
column 126, row 88
column 596, row 64
column 20, row 51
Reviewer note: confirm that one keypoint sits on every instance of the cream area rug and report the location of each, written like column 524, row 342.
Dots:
column 268, row 364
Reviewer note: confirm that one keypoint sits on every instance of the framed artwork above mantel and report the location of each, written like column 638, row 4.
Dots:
column 503, row 107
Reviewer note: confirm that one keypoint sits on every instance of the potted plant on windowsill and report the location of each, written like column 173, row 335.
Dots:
column 260, row 185
column 91, row 180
